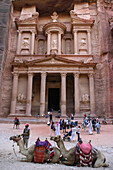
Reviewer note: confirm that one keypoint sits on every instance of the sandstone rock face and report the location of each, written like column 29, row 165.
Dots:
column 5, row 6
column 35, row 22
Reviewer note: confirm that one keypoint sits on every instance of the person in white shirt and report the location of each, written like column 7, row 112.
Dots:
column 90, row 127
column 73, row 135
column 57, row 129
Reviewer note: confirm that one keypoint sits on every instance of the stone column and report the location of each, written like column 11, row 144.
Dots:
column 92, row 93
column 89, row 41
column 29, row 94
column 48, row 43
column 76, row 93
column 43, row 93
column 19, row 42
column 33, row 43
column 63, row 93
column 59, row 43
column 75, row 43
column 14, row 93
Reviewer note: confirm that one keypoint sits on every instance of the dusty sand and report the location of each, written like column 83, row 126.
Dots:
column 8, row 160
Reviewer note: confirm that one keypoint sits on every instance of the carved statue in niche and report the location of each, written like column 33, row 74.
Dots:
column 85, row 98
column 21, row 98
column 54, row 44
column 68, row 46
column 26, row 43
column 41, row 47
column 54, row 17
column 83, row 43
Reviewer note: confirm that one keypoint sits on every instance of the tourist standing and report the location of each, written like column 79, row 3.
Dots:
column 64, row 126
column 73, row 135
column 50, row 117
column 57, row 129
column 90, row 127
column 52, row 129
column 16, row 123
column 98, row 126
column 94, row 124
column 26, row 134
column 78, row 133
column 85, row 119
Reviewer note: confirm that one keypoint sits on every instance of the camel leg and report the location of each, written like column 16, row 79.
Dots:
column 67, row 163
column 100, row 163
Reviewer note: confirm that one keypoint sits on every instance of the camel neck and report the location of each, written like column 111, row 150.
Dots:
column 62, row 146
column 22, row 148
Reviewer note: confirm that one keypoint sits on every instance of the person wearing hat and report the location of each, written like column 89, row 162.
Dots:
column 26, row 134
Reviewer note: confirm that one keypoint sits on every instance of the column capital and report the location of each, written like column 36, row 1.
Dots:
column 89, row 31
column 19, row 31
column 91, row 75
column 15, row 73
column 43, row 73
column 60, row 33
column 30, row 73
column 75, row 31
column 76, row 75
column 63, row 74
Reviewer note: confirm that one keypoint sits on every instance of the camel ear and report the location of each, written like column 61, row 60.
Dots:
column 89, row 141
column 59, row 137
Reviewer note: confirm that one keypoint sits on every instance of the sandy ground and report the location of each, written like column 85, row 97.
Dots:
column 9, row 161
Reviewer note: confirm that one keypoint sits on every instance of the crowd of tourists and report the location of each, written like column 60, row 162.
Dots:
column 92, row 124
column 70, row 128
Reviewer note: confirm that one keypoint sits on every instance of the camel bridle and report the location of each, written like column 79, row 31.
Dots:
column 16, row 140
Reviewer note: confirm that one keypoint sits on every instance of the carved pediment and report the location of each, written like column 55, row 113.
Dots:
column 77, row 20
column 54, row 61
column 27, row 21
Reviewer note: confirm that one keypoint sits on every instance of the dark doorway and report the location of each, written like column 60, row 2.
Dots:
column 53, row 99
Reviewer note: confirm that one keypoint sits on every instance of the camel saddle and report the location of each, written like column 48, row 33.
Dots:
column 41, row 148
column 84, row 152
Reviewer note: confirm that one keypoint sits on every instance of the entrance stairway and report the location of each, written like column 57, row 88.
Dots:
column 34, row 120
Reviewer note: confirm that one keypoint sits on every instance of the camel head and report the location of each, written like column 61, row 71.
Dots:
column 15, row 138
column 57, row 138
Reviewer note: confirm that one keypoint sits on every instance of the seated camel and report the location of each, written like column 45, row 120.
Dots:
column 69, row 155
column 29, row 153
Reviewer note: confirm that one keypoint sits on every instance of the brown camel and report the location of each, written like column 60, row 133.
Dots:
column 29, row 153
column 69, row 155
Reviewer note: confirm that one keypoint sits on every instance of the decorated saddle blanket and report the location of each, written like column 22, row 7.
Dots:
column 39, row 154
column 84, row 152
column 40, row 149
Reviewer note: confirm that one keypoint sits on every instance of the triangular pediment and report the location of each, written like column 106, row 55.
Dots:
column 57, row 60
